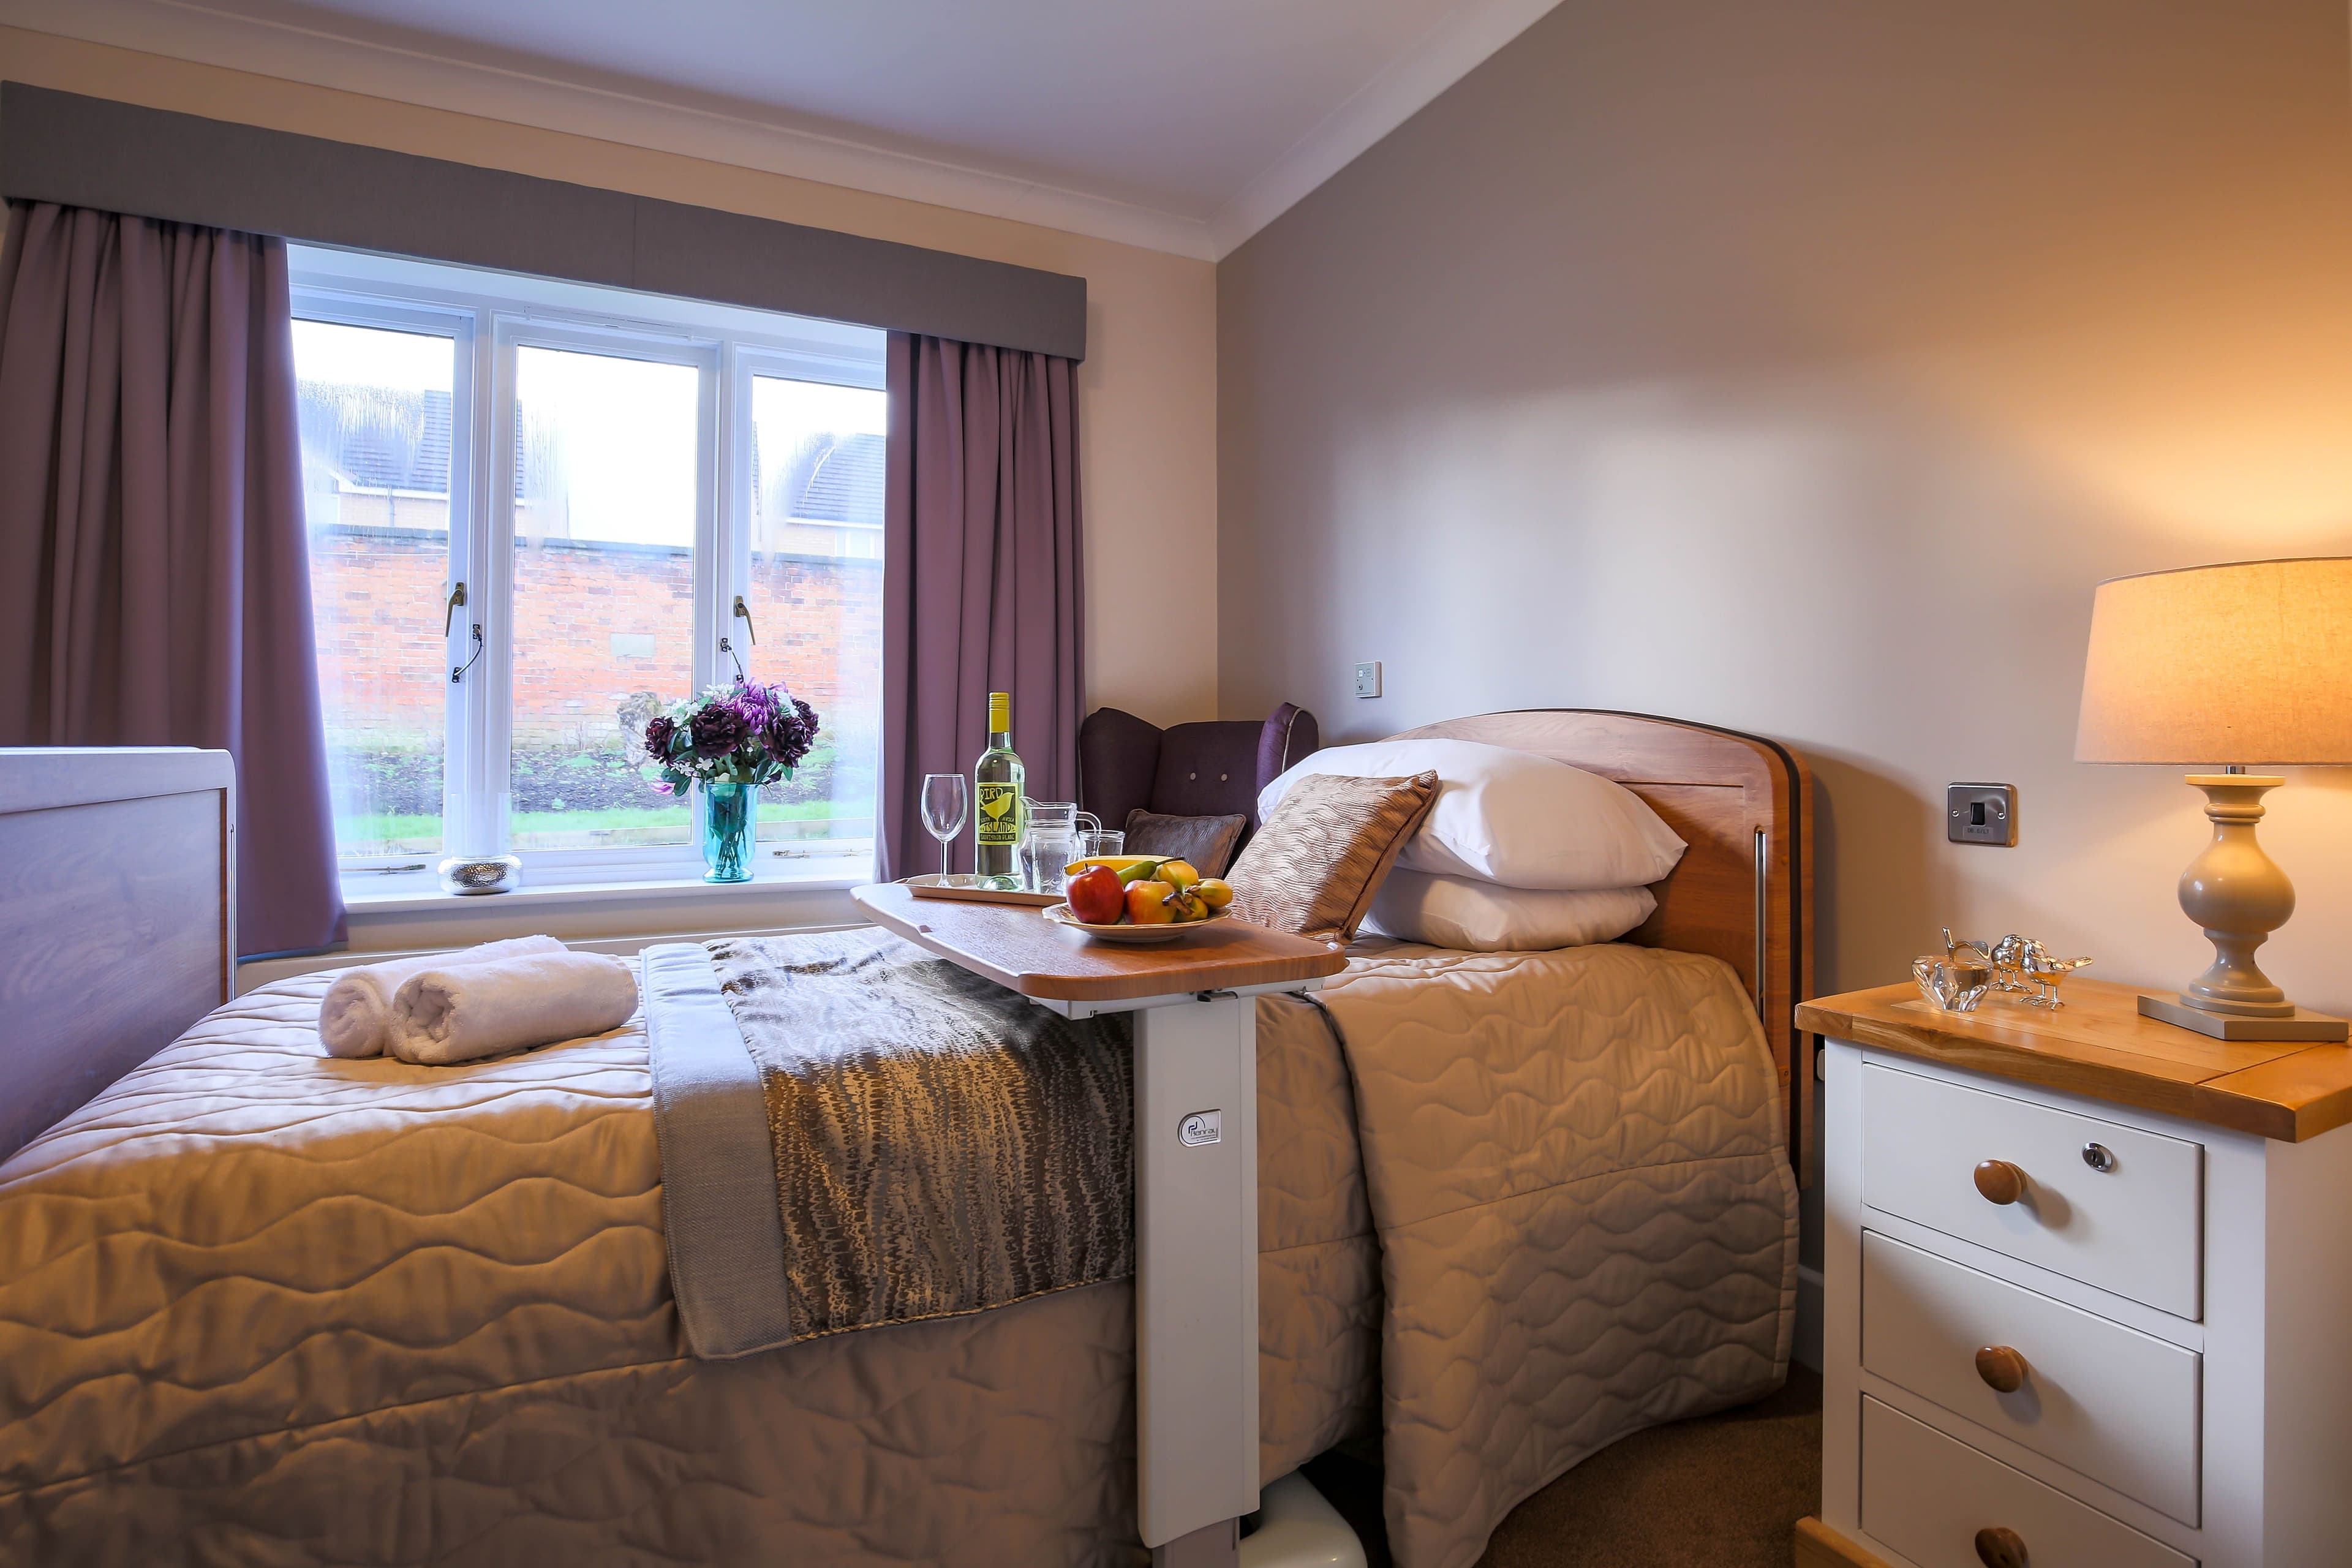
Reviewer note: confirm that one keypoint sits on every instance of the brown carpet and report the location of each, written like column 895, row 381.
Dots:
column 1720, row 1491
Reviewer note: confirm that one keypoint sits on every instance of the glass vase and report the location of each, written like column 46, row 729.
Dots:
column 730, row 821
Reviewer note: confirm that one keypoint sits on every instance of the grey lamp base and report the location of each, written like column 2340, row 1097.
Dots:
column 2304, row 1026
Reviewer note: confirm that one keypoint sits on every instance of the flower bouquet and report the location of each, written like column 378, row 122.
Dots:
column 730, row 740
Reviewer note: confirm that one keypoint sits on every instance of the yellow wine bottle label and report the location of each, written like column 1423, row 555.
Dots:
column 1000, row 813
column 1000, row 713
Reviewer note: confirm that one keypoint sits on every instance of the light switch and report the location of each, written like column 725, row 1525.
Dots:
column 1980, row 814
column 1367, row 678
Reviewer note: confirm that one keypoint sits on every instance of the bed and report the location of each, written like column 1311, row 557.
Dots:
column 259, row 1305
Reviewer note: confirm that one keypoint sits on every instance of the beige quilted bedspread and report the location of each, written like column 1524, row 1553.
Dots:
column 259, row 1306
column 1577, row 1169
column 262, row 1306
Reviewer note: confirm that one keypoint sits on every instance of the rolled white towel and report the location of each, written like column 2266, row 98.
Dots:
column 356, row 1017
column 445, row 1015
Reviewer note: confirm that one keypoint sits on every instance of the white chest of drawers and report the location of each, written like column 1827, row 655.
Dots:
column 2088, row 1291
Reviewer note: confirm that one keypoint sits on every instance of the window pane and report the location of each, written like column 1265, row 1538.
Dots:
column 376, row 437
column 605, row 454
column 817, row 592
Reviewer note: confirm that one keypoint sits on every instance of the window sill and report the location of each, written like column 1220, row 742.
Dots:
column 608, row 915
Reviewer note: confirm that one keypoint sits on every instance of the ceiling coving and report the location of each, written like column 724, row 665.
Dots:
column 1185, row 126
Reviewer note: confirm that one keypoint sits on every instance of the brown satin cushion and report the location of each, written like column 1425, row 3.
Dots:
column 1205, row 843
column 1313, row 866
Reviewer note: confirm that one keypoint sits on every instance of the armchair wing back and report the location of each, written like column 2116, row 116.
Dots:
column 1212, row 769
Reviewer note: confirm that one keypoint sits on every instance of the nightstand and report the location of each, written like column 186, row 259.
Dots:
column 2088, row 1289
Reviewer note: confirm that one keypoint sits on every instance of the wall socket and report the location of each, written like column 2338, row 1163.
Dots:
column 1367, row 678
column 1980, row 814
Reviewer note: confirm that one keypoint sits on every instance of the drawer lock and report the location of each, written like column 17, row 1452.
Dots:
column 2002, row 1369
column 2001, row 1182
column 2099, row 1157
column 2000, row 1548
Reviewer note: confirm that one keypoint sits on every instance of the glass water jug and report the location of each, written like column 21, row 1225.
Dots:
column 1050, row 842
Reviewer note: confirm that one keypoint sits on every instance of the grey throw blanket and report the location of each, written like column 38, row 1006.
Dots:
column 941, row 1145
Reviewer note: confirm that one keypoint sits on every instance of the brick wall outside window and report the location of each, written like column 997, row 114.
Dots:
column 378, row 609
column 593, row 625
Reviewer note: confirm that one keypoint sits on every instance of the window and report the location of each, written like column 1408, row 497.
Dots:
column 537, row 511
column 376, row 406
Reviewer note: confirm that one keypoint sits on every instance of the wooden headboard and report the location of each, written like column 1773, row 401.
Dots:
column 117, row 916
column 1743, row 891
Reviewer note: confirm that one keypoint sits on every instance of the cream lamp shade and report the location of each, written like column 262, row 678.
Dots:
column 2248, row 663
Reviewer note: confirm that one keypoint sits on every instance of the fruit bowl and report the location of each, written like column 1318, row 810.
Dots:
column 1134, row 935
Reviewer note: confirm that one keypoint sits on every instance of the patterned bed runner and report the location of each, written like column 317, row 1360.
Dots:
column 939, row 1145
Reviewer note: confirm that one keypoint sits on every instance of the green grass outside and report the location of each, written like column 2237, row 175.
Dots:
column 384, row 826
column 381, row 827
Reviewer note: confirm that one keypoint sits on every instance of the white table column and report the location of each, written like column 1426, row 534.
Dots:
column 1196, row 1277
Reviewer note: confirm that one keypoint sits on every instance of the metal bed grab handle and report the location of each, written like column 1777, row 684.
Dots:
column 1763, row 903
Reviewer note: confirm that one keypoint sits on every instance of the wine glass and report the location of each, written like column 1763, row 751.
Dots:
column 947, row 800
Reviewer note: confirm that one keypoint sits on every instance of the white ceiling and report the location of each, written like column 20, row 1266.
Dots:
column 1184, row 124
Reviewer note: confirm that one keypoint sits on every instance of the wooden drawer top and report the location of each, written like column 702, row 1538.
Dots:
column 2098, row 1044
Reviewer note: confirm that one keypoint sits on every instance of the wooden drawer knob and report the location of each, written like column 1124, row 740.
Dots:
column 2001, row 1182
column 2000, row 1548
column 2002, row 1369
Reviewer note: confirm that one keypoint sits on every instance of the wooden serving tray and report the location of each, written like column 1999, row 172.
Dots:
column 930, row 886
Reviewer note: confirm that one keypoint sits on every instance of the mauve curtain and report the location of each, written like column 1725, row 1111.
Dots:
column 154, row 584
column 981, row 577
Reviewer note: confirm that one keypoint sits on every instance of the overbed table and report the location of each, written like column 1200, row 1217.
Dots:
column 1195, row 1175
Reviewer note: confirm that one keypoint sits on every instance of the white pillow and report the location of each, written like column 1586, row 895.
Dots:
column 1510, row 816
column 1485, row 917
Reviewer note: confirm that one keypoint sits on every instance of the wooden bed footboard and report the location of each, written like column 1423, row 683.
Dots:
column 117, row 916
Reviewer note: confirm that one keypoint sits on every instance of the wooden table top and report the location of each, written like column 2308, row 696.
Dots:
column 2098, row 1044
column 1022, row 951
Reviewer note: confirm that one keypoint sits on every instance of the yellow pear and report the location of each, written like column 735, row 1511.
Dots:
column 1148, row 903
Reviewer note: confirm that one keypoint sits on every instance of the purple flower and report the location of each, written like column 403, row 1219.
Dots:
column 756, row 704
column 747, row 731
column 790, row 731
column 718, row 727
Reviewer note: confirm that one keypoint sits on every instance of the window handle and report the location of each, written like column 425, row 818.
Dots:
column 457, row 674
column 457, row 599
column 743, row 613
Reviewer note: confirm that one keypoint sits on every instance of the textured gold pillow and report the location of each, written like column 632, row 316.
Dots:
column 1313, row 866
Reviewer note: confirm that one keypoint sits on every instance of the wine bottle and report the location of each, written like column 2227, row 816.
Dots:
column 999, row 778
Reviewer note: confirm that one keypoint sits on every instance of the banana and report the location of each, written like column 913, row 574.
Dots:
column 1129, row 867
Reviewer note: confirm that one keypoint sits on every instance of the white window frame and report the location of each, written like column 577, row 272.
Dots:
column 460, row 746
column 488, row 316
column 539, row 330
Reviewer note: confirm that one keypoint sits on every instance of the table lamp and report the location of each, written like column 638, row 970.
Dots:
column 2245, row 663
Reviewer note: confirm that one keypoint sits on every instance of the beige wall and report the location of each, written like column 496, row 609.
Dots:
column 1799, row 367
column 1146, row 392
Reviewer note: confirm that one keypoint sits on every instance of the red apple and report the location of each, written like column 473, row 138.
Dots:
column 1096, row 896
